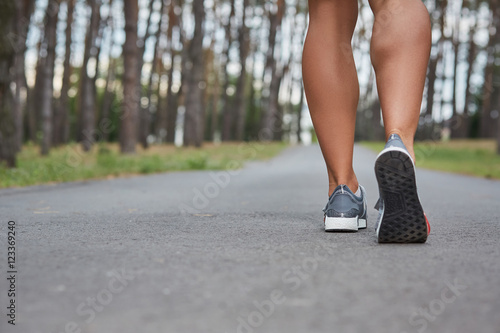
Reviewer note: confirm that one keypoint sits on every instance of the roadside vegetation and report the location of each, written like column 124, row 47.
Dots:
column 469, row 157
column 104, row 161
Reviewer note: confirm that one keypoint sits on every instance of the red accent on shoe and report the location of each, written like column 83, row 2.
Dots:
column 428, row 225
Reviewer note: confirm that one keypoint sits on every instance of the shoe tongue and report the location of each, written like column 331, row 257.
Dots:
column 340, row 188
column 394, row 137
column 395, row 141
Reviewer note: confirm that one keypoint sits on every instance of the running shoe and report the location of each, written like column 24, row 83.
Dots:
column 401, row 216
column 345, row 211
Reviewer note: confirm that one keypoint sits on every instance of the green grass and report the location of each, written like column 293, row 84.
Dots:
column 470, row 157
column 70, row 163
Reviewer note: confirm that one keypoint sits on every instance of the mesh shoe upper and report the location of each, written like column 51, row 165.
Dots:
column 344, row 203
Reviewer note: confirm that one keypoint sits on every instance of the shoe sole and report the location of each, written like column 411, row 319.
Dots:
column 402, row 219
column 344, row 223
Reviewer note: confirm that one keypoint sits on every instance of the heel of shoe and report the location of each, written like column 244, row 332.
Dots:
column 341, row 223
column 402, row 220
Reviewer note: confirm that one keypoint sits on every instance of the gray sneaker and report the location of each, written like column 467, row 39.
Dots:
column 401, row 217
column 345, row 211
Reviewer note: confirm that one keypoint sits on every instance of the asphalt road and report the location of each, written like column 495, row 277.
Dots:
column 246, row 252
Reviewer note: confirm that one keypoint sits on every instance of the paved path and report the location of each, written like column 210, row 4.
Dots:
column 156, row 254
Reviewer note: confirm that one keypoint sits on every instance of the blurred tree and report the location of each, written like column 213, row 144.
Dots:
column 160, row 122
column 88, row 76
column 61, row 112
column 32, row 109
column 300, row 30
column 173, row 93
column 252, row 121
column 490, row 107
column 144, row 111
column 436, row 56
column 24, row 9
column 212, row 65
column 270, row 117
column 47, row 74
column 109, row 87
column 194, row 84
column 7, row 57
column 231, row 70
column 129, row 118
column 461, row 126
column 455, row 42
column 241, row 84
column 227, row 109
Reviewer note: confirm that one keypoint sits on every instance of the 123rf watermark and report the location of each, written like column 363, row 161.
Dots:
column 11, row 272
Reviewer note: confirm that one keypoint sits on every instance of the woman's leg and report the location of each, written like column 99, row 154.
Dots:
column 331, row 84
column 400, row 48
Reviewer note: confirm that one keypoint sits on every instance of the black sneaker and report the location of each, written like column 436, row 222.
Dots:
column 401, row 216
column 345, row 211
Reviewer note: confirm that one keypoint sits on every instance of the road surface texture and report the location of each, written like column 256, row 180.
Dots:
column 246, row 252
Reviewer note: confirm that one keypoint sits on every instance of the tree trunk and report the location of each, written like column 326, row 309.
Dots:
column 97, row 47
column 270, row 113
column 456, row 47
column 470, row 61
column 129, row 118
column 171, row 107
column 61, row 123
column 425, row 133
column 471, row 56
column 254, row 109
column 87, row 83
column 275, row 109
column 485, row 118
column 227, row 109
column 194, row 114
column 144, row 112
column 168, row 119
column 299, row 114
column 108, row 97
column 164, row 129
column 109, row 87
column 7, row 57
column 487, row 125
column 212, row 65
column 431, row 80
column 213, row 87
column 239, row 100
column 34, row 97
column 24, row 9
column 47, row 90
